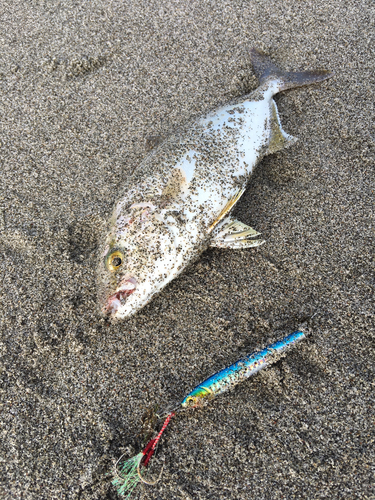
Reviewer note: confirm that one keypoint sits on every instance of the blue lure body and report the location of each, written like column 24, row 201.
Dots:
column 225, row 379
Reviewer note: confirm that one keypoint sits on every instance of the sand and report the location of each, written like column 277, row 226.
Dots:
column 83, row 85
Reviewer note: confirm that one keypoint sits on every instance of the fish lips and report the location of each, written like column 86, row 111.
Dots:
column 116, row 300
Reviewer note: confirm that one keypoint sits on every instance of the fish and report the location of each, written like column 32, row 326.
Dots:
column 226, row 379
column 177, row 203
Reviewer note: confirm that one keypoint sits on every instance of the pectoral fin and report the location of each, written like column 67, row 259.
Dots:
column 234, row 234
column 227, row 208
column 175, row 184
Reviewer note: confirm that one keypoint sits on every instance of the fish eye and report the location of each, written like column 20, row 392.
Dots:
column 115, row 260
column 190, row 401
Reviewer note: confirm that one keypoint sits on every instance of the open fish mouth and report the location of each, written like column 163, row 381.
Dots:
column 116, row 300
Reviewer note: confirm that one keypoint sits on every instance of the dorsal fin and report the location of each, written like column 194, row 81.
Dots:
column 278, row 138
column 265, row 70
column 153, row 141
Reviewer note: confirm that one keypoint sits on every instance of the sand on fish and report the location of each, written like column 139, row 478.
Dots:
column 82, row 87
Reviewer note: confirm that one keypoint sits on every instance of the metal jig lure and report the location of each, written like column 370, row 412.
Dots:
column 127, row 478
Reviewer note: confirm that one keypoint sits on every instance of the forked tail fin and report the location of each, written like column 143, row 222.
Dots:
column 266, row 70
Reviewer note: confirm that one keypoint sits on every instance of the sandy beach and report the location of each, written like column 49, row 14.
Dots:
column 83, row 85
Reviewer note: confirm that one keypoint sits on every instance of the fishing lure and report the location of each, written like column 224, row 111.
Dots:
column 129, row 475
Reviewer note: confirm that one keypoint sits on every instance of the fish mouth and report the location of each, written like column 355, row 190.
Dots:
column 118, row 299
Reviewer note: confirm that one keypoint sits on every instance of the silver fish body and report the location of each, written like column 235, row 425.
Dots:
column 177, row 202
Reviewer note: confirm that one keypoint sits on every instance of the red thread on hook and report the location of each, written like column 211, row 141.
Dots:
column 151, row 445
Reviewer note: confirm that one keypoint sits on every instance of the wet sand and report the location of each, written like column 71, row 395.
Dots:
column 83, row 84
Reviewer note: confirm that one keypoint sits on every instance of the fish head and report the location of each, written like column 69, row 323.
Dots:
column 197, row 397
column 135, row 261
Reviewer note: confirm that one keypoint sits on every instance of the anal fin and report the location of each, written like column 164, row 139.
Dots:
column 278, row 138
column 232, row 233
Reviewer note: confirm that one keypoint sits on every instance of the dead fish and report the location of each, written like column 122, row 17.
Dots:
column 177, row 202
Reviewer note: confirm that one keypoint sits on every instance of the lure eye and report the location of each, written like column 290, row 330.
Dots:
column 190, row 401
column 115, row 260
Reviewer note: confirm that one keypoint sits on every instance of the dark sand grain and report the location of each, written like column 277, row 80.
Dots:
column 83, row 83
